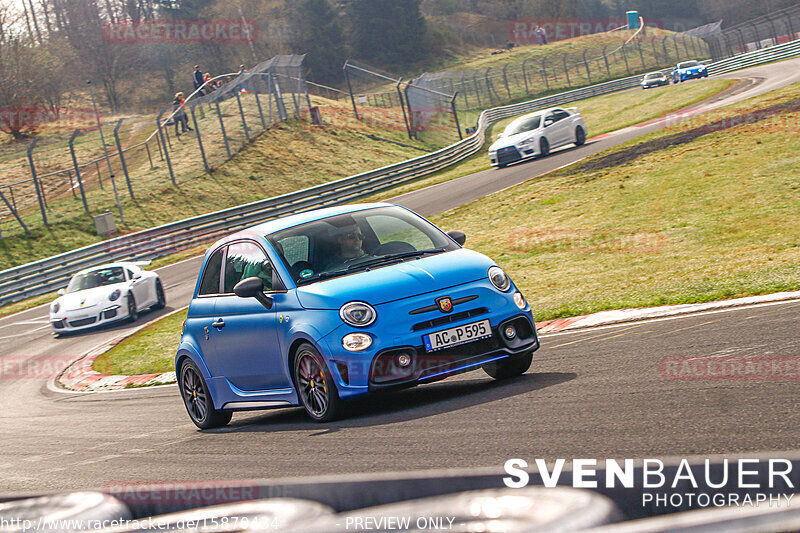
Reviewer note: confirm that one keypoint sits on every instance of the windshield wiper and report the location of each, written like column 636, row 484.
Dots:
column 398, row 257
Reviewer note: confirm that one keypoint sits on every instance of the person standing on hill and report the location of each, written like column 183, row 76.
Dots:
column 181, row 118
column 198, row 77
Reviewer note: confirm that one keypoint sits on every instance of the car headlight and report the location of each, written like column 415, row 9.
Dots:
column 499, row 278
column 519, row 299
column 358, row 314
column 55, row 307
column 356, row 342
column 528, row 141
column 114, row 295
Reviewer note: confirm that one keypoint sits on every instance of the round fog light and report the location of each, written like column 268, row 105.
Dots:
column 519, row 300
column 404, row 360
column 510, row 332
column 356, row 342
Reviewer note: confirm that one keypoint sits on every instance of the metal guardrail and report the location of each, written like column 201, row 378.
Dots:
column 47, row 275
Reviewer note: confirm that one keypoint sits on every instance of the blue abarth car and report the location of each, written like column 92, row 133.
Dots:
column 689, row 70
column 321, row 307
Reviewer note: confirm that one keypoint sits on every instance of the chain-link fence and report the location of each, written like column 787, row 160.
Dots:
column 769, row 30
column 52, row 178
column 435, row 103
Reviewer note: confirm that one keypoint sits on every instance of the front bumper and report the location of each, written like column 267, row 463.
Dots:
column 693, row 75
column 69, row 322
column 511, row 154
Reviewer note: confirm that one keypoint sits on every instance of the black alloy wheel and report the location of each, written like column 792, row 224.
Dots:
column 315, row 386
column 197, row 399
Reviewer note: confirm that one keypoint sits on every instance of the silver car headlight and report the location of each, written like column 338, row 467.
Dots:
column 359, row 314
column 499, row 278
column 528, row 141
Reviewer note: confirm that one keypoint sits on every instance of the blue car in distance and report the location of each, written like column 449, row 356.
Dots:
column 689, row 70
column 321, row 307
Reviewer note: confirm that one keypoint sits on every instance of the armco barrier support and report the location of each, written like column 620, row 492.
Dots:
column 47, row 275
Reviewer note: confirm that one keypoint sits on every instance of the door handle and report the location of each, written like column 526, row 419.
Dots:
column 219, row 324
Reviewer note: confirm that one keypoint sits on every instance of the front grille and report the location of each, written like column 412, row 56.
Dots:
column 451, row 358
column 435, row 307
column 449, row 319
column 508, row 155
column 82, row 322
column 58, row 324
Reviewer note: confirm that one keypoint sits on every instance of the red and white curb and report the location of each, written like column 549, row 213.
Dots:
column 79, row 376
column 606, row 318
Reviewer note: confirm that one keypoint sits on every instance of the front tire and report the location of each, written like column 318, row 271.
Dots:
column 580, row 136
column 544, row 147
column 160, row 296
column 133, row 313
column 315, row 386
column 509, row 368
column 198, row 400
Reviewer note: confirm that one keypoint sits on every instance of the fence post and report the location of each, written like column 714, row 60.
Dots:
column 455, row 115
column 164, row 142
column 641, row 54
column 411, row 120
column 258, row 102
column 403, row 107
column 222, row 127
column 477, row 87
column 566, row 71
column 625, row 57
column 464, row 88
column 505, row 80
column 588, row 74
column 122, row 157
column 36, row 184
column 525, row 77
column 489, row 87
column 544, row 74
column 199, row 140
column 666, row 52
column 350, row 88
column 241, row 114
column 677, row 50
column 13, row 212
column 605, row 58
column 77, row 169
column 279, row 105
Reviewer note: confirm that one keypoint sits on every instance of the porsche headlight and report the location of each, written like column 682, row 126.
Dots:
column 114, row 295
column 499, row 278
column 55, row 307
column 358, row 314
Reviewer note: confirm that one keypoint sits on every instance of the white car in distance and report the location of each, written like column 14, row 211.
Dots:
column 536, row 134
column 104, row 294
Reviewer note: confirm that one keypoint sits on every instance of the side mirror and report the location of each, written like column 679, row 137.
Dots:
column 501, row 135
column 253, row 288
column 136, row 276
column 61, row 292
column 458, row 236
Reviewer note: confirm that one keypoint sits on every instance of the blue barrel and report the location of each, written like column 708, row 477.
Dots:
column 633, row 20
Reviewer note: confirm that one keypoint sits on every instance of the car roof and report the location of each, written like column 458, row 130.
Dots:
column 122, row 264
column 282, row 223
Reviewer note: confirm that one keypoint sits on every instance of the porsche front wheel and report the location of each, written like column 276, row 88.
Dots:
column 133, row 313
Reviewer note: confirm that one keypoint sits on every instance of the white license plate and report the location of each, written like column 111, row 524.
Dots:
column 458, row 335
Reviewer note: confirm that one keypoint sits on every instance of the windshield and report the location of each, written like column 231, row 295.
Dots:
column 688, row 64
column 654, row 75
column 526, row 123
column 342, row 244
column 96, row 278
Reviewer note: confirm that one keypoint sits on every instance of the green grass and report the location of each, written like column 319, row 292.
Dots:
column 148, row 351
column 711, row 219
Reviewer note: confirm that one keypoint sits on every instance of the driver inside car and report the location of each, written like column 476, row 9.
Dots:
column 349, row 241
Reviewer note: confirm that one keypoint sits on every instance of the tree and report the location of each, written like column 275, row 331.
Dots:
column 321, row 39
column 387, row 32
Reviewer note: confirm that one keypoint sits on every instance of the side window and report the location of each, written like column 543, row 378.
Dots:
column 130, row 274
column 389, row 229
column 246, row 260
column 210, row 282
column 560, row 115
column 550, row 119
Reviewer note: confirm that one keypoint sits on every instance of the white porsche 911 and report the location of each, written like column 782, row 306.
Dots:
column 535, row 134
column 104, row 294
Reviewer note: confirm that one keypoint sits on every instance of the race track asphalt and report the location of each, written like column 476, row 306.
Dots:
column 597, row 393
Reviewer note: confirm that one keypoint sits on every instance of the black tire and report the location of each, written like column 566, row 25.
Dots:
column 509, row 368
column 133, row 314
column 580, row 136
column 544, row 147
column 197, row 399
column 501, row 165
column 162, row 298
column 320, row 400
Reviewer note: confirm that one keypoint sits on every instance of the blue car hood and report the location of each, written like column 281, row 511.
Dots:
column 397, row 281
